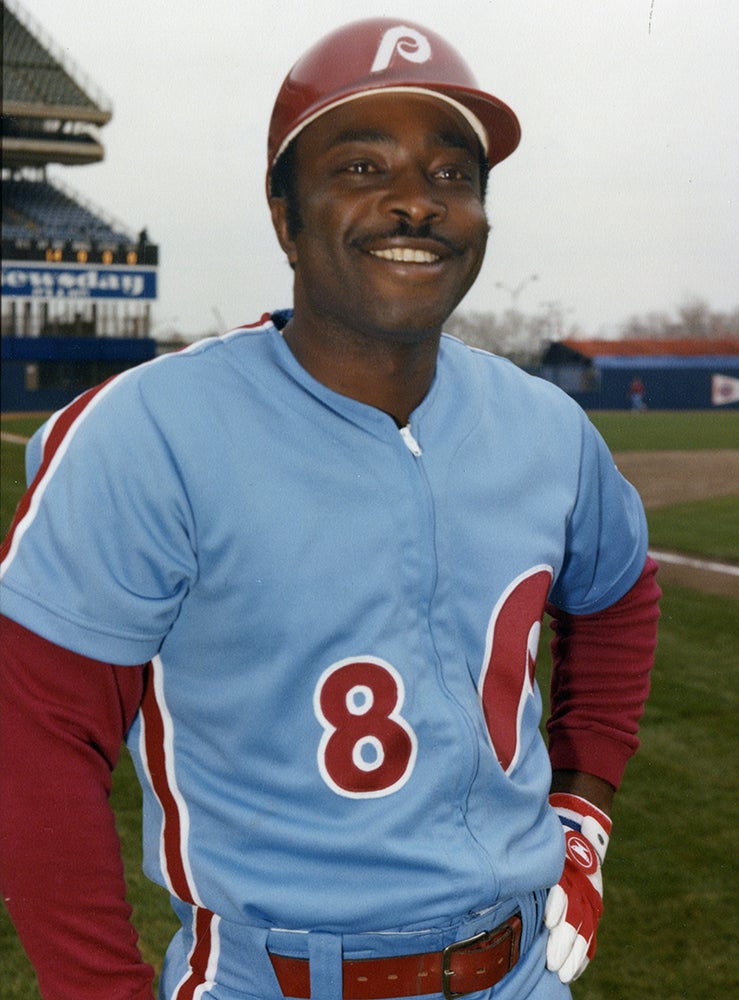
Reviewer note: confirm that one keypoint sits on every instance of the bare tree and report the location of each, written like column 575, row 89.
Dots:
column 694, row 320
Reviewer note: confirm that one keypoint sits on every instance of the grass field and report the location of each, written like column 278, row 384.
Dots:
column 671, row 875
column 665, row 430
column 704, row 527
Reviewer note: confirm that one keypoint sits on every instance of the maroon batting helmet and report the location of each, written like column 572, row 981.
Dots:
column 384, row 55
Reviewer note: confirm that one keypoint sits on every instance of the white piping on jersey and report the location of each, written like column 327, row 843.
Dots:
column 410, row 442
column 215, row 951
column 213, row 955
column 182, row 810
column 59, row 454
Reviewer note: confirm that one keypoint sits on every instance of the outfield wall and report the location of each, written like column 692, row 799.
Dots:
column 702, row 382
column 41, row 374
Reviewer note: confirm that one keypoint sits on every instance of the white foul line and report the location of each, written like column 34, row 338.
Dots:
column 13, row 438
column 678, row 560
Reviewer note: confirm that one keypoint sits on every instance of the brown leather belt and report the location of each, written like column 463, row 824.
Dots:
column 477, row 963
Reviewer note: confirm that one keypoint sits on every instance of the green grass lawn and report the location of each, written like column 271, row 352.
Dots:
column 24, row 426
column 671, row 892
column 705, row 527
column 667, row 430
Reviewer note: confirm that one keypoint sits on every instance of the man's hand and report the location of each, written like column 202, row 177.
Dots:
column 574, row 906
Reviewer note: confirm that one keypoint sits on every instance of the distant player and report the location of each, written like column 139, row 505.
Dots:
column 302, row 569
column 637, row 395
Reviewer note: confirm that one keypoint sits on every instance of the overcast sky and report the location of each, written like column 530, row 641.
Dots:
column 622, row 197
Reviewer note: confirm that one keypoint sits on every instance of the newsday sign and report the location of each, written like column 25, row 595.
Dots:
column 73, row 281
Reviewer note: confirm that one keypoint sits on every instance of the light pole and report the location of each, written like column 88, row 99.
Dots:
column 515, row 292
column 516, row 319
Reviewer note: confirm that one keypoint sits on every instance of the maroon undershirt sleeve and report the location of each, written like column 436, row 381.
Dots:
column 62, row 721
column 600, row 680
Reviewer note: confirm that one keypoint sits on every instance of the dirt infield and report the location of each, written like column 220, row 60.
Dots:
column 667, row 477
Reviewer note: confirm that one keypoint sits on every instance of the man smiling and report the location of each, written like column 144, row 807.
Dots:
column 302, row 569
column 393, row 235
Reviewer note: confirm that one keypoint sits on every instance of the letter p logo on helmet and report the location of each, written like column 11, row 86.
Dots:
column 407, row 42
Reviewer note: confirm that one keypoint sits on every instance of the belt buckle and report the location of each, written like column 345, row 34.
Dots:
column 446, row 962
column 495, row 936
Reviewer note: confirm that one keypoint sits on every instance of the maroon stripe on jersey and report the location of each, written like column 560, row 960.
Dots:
column 200, row 955
column 58, row 433
column 154, row 743
column 262, row 321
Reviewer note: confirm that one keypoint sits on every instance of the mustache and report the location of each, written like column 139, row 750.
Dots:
column 406, row 230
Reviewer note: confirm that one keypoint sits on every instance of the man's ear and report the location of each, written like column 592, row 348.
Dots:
column 278, row 210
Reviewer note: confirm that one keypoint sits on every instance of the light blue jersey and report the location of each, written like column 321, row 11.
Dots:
column 340, row 730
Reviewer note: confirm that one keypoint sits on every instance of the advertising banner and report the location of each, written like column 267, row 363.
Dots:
column 78, row 281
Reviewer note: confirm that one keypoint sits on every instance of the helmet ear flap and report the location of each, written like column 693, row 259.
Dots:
column 380, row 54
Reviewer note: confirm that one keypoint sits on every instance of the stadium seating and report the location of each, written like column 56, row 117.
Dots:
column 39, row 210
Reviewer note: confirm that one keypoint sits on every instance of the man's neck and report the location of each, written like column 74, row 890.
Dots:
column 392, row 376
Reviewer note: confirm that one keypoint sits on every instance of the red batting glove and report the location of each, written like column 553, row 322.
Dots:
column 574, row 906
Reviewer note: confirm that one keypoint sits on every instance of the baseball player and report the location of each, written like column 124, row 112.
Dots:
column 302, row 569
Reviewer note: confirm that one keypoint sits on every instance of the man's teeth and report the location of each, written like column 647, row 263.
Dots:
column 406, row 255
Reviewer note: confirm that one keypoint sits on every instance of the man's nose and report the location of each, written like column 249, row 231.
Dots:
column 412, row 196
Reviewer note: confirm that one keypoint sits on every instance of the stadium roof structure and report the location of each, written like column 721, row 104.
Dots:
column 654, row 347
column 50, row 109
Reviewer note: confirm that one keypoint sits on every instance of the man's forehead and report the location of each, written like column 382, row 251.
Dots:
column 383, row 118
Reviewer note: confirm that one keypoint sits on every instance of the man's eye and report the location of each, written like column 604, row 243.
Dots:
column 452, row 174
column 361, row 167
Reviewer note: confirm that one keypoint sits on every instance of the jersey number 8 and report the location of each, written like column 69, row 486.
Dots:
column 368, row 749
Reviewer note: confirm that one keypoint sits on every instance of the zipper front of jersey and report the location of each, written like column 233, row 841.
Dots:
column 466, row 751
column 410, row 442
